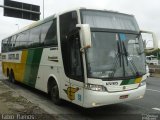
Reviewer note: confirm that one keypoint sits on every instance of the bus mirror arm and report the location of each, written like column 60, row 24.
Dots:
column 83, row 48
column 85, row 34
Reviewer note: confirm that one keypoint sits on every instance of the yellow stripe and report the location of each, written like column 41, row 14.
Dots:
column 4, row 68
column 138, row 80
column 20, row 68
column 24, row 56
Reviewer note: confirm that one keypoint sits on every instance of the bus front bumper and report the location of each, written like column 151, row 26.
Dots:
column 95, row 98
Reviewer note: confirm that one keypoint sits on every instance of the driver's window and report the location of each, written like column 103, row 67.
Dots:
column 75, row 57
column 70, row 46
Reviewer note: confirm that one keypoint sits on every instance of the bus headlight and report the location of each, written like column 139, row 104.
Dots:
column 142, row 83
column 95, row 87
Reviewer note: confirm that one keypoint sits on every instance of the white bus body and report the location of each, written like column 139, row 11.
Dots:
column 88, row 57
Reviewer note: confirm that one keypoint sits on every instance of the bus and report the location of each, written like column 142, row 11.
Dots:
column 85, row 56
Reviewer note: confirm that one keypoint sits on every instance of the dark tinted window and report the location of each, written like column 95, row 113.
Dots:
column 70, row 45
column 13, row 41
column 68, row 23
column 49, row 33
column 24, row 39
column 5, row 45
column 75, row 57
column 42, row 35
column 34, row 37
column 20, row 41
column 9, row 44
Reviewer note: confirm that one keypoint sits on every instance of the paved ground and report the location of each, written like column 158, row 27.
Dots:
column 147, row 108
column 14, row 104
column 36, row 99
column 155, row 75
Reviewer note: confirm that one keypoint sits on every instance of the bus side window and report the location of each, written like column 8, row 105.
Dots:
column 18, row 41
column 70, row 46
column 23, row 41
column 12, row 42
column 4, row 45
column 75, row 56
column 34, row 37
column 9, row 44
column 49, row 33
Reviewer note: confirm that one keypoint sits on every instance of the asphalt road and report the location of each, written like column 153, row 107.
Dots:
column 147, row 108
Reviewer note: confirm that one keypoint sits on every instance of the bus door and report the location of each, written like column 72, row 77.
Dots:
column 73, row 78
column 76, row 70
column 72, row 58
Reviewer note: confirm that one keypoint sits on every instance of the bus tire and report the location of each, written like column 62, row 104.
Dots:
column 11, row 77
column 54, row 93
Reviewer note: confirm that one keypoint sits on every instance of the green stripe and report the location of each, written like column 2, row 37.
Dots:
column 128, row 82
column 125, row 82
column 131, row 81
column 32, row 66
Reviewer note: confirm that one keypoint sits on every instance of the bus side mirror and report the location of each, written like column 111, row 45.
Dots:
column 85, row 33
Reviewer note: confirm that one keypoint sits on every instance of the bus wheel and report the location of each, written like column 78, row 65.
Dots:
column 54, row 92
column 11, row 77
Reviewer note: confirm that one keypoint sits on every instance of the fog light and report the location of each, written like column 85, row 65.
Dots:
column 93, row 104
column 139, row 97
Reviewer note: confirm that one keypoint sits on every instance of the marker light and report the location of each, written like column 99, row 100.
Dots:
column 142, row 83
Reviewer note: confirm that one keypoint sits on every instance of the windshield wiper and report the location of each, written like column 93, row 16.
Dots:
column 119, row 53
column 125, row 52
column 131, row 61
column 118, row 56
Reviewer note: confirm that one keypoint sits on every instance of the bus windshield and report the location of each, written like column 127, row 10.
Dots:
column 112, row 57
column 114, row 54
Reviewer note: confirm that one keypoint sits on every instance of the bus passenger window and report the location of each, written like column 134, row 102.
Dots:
column 12, row 42
column 4, row 45
column 34, row 38
column 49, row 33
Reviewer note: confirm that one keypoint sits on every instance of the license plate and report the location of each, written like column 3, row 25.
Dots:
column 123, row 97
